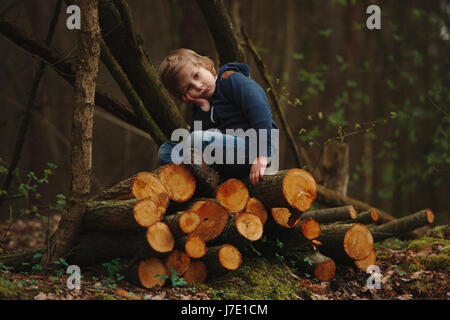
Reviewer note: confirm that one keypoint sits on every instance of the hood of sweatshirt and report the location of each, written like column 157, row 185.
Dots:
column 235, row 66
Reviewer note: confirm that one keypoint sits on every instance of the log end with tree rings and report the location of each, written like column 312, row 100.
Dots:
column 310, row 228
column 147, row 185
column 430, row 215
column 284, row 217
column 233, row 195
column 146, row 212
column 148, row 271
column 196, row 272
column 195, row 247
column 249, row 226
column 370, row 260
column 178, row 181
column 195, row 205
column 374, row 215
column 230, row 257
column 179, row 261
column 160, row 238
column 213, row 219
column 189, row 221
column 257, row 208
column 299, row 189
column 352, row 212
column 325, row 270
column 358, row 241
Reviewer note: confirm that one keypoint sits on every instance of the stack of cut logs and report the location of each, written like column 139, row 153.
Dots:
column 161, row 220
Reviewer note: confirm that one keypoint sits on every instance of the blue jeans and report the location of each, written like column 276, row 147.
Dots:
column 226, row 153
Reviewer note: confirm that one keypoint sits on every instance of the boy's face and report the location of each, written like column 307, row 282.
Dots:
column 197, row 83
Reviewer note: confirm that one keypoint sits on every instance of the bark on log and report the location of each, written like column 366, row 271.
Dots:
column 403, row 225
column 331, row 214
column 222, row 258
column 315, row 263
column 366, row 217
column 287, row 188
column 300, row 235
column 110, row 215
column 343, row 241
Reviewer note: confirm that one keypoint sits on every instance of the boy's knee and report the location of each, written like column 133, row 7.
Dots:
column 164, row 153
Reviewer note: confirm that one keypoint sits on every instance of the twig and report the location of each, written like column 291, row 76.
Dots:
column 26, row 119
column 300, row 155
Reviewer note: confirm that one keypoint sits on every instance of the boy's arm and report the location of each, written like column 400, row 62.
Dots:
column 251, row 97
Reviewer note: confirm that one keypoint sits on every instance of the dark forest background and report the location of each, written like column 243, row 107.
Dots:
column 384, row 92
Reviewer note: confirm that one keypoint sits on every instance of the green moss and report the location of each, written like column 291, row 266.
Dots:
column 10, row 290
column 436, row 262
column 103, row 296
column 383, row 255
column 392, row 243
column 257, row 279
column 439, row 231
column 423, row 242
column 409, row 267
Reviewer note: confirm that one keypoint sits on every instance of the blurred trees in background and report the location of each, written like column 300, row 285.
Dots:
column 384, row 92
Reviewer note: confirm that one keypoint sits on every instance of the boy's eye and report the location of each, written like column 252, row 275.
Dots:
column 196, row 75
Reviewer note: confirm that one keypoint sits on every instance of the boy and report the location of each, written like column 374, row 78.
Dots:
column 223, row 101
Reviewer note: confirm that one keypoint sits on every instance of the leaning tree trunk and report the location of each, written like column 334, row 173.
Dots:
column 222, row 31
column 82, row 123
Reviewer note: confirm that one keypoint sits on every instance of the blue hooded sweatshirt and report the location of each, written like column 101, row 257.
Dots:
column 238, row 102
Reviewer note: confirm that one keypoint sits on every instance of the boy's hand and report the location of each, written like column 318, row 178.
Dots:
column 257, row 170
column 201, row 102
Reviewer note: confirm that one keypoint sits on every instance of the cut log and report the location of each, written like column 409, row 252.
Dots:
column 147, row 211
column 178, row 181
column 222, row 258
column 148, row 185
column 287, row 188
column 367, row 217
column 313, row 262
column 213, row 219
column 149, row 273
column 207, row 178
column 119, row 191
column 331, row 214
column 196, row 272
column 114, row 215
column 241, row 230
column 285, row 217
column 160, row 238
column 194, row 246
column 182, row 222
column 232, row 195
column 403, row 225
column 340, row 241
column 179, row 261
column 369, row 261
column 257, row 208
column 300, row 235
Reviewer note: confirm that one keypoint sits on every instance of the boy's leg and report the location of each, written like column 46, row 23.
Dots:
column 165, row 153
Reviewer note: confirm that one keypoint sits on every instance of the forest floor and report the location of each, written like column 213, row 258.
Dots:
column 410, row 269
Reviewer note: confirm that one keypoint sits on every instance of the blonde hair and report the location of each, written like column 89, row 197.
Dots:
column 170, row 69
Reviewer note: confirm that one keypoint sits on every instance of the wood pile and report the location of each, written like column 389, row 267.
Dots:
column 162, row 220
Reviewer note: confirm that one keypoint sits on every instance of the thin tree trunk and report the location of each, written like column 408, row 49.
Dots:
column 82, row 125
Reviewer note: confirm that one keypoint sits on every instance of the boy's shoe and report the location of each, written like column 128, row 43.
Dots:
column 206, row 177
